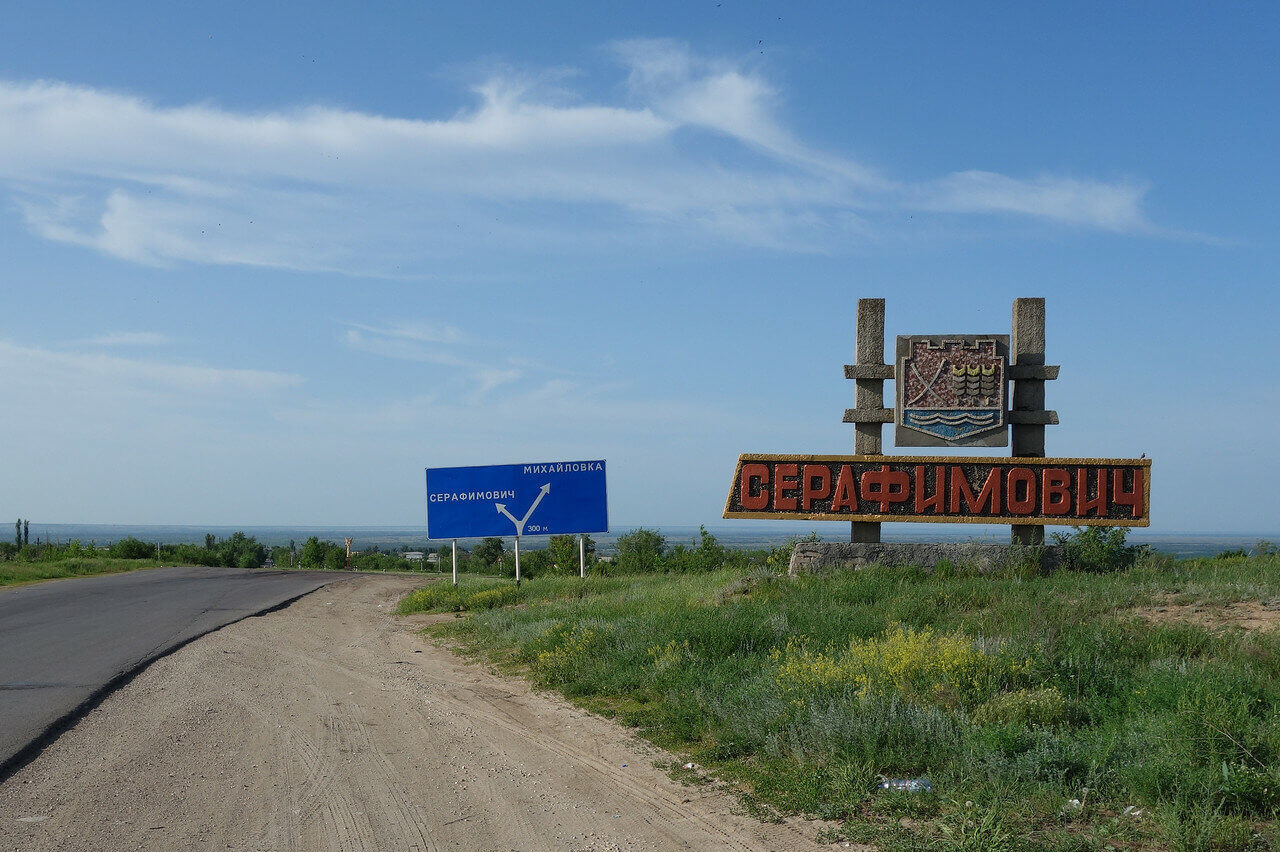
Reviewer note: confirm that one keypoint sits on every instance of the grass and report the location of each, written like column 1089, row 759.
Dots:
column 1046, row 713
column 21, row 573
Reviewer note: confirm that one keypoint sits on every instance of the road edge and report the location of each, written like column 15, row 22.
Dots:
column 13, row 764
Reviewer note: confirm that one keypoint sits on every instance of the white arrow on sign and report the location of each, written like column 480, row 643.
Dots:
column 502, row 509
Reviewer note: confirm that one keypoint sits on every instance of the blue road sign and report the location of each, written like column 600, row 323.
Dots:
column 544, row 498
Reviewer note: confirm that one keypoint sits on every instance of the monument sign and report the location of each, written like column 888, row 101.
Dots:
column 951, row 390
column 947, row 489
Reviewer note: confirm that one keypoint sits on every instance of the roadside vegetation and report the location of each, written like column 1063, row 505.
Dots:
column 22, row 561
column 1131, row 702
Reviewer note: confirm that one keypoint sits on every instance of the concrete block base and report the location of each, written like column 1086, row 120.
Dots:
column 824, row 556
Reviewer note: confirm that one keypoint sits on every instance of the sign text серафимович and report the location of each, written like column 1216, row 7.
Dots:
column 1080, row 492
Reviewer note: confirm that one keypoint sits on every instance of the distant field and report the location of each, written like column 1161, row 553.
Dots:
column 1137, row 710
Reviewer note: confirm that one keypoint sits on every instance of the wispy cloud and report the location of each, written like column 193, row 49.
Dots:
column 1093, row 203
column 127, row 338
column 435, row 344
column 418, row 332
column 389, row 346
column 525, row 169
column 44, row 368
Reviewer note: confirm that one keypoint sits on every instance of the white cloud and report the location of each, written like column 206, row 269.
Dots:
column 524, row 170
column 1110, row 206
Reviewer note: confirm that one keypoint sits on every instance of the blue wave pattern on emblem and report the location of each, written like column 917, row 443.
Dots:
column 950, row 424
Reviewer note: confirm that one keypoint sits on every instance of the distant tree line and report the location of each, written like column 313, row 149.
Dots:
column 638, row 551
column 238, row 551
column 316, row 553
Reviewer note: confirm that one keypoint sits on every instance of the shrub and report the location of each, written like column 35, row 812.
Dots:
column 640, row 550
column 563, row 555
column 533, row 563
column 778, row 559
column 314, row 553
column 710, row 553
column 1098, row 549
column 488, row 552
column 132, row 548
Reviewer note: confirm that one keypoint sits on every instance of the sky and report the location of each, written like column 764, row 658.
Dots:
column 264, row 263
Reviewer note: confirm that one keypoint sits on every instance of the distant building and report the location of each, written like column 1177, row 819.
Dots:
column 414, row 555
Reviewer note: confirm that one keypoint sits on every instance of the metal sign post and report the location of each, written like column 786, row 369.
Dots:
column 517, row 560
column 582, row 557
column 455, row 562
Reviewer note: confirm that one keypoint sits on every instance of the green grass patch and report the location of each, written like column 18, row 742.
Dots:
column 1046, row 712
column 18, row 573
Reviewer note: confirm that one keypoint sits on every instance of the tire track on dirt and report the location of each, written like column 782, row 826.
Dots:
column 329, row 726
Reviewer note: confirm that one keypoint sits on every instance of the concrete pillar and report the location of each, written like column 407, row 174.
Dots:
column 1026, row 348
column 869, row 394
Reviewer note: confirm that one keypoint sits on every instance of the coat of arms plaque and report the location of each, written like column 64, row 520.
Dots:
column 952, row 390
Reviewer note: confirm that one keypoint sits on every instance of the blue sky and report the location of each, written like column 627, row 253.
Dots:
column 264, row 266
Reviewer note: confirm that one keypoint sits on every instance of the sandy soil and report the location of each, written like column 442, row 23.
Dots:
column 1245, row 615
column 331, row 726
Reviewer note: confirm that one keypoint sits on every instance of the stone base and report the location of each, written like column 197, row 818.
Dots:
column 823, row 556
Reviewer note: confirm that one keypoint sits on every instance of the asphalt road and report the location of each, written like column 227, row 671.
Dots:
column 64, row 642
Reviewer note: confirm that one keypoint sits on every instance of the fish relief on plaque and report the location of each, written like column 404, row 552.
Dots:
column 952, row 391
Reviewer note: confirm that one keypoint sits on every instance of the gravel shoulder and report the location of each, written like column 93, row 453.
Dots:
column 330, row 725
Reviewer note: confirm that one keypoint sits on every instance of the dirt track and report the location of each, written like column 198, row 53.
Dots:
column 330, row 726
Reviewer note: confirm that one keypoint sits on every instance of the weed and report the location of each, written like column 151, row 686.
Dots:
column 436, row 597
column 919, row 664
column 491, row 598
column 978, row 828
column 1044, row 706
column 1015, row 691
